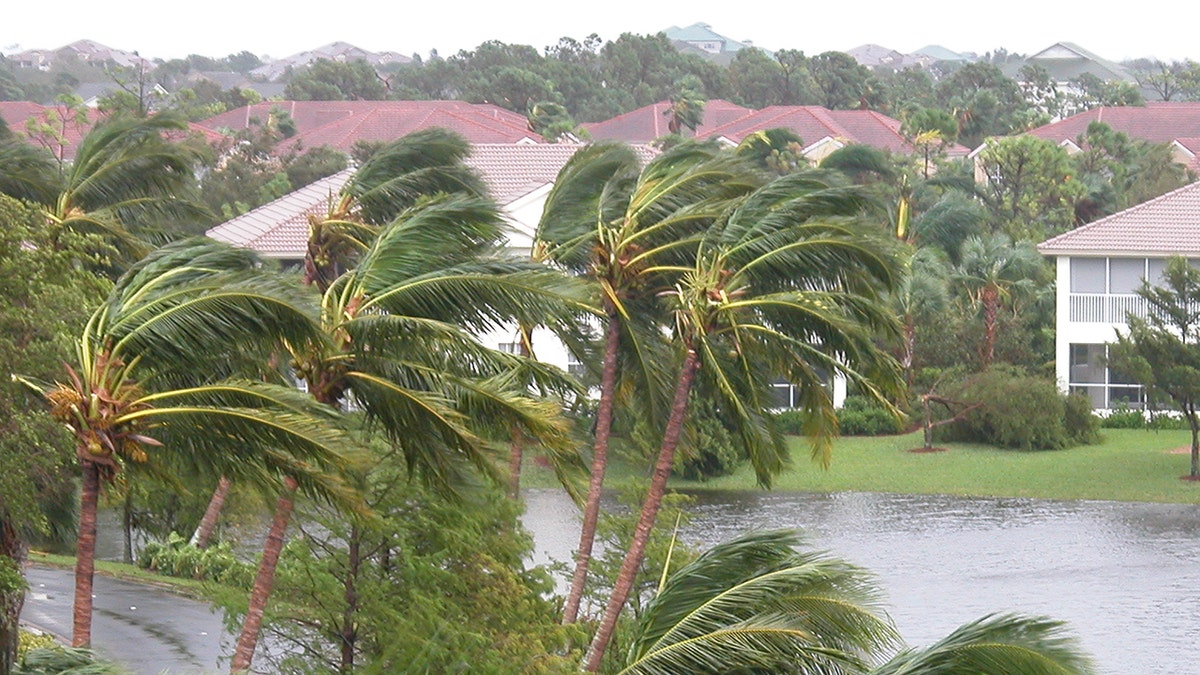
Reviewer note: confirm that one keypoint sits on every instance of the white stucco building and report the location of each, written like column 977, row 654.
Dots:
column 1100, row 266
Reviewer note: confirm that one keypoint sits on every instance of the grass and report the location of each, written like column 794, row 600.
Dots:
column 199, row 590
column 1128, row 465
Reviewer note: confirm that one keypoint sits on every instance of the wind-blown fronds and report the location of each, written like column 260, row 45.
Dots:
column 757, row 603
column 1001, row 644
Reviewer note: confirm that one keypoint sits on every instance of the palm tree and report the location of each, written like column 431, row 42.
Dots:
column 153, row 377
column 756, row 604
column 789, row 282
column 608, row 223
column 920, row 296
column 397, row 344
column 991, row 270
column 422, row 163
column 127, row 183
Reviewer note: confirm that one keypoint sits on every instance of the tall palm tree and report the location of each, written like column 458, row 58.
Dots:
column 397, row 345
column 154, row 377
column 127, row 183
column 758, row 605
column 422, row 163
column 920, row 296
column 616, row 227
column 994, row 269
column 790, row 283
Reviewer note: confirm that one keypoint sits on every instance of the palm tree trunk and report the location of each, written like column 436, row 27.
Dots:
column 85, row 556
column 991, row 307
column 910, row 344
column 591, row 508
column 12, row 599
column 516, row 453
column 1195, row 425
column 654, row 497
column 208, row 523
column 264, row 580
column 127, row 527
column 350, row 595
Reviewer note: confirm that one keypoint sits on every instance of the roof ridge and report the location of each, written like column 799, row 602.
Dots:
column 1136, row 208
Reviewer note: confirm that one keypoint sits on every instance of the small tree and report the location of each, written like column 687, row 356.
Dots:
column 1162, row 351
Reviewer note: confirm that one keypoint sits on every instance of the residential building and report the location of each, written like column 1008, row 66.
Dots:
column 339, row 124
column 335, row 51
column 1099, row 268
column 700, row 38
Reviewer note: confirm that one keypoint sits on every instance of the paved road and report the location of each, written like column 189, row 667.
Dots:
column 149, row 631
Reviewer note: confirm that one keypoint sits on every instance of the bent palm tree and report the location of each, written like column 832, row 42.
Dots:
column 788, row 283
column 991, row 270
column 423, row 163
column 755, row 604
column 397, row 343
column 127, row 183
column 609, row 224
column 147, row 381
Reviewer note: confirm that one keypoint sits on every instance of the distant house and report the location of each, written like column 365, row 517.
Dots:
column 648, row 123
column 1099, row 267
column 821, row 129
column 700, row 38
column 1177, row 123
column 88, row 51
column 92, row 92
column 342, row 52
column 1066, row 61
column 339, row 124
column 230, row 80
column 65, row 141
column 877, row 57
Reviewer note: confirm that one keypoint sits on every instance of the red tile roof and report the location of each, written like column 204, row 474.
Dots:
column 338, row 124
column 1157, row 122
column 15, row 113
column 814, row 123
column 650, row 122
column 1165, row 225
column 723, row 119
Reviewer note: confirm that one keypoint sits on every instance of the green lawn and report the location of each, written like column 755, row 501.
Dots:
column 1128, row 465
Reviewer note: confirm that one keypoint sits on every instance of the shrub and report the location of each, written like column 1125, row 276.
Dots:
column 1083, row 426
column 790, row 422
column 714, row 452
column 860, row 416
column 1124, row 418
column 175, row 557
column 1020, row 411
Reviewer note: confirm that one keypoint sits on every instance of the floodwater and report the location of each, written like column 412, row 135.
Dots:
column 1125, row 576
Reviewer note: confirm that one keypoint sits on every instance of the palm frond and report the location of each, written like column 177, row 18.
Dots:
column 997, row 645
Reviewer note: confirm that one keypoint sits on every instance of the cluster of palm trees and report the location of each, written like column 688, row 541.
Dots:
column 709, row 276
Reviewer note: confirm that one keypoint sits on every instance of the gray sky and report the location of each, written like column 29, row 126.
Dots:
column 219, row 27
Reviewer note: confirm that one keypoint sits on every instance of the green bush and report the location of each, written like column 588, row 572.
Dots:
column 712, row 451
column 860, row 416
column 1020, row 411
column 1124, row 418
column 175, row 557
column 1083, row 426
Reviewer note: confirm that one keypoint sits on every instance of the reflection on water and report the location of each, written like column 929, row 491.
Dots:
column 1125, row 576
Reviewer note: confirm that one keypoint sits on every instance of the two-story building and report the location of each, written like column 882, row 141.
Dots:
column 1100, row 267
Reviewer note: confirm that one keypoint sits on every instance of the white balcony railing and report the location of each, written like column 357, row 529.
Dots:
column 1106, row 308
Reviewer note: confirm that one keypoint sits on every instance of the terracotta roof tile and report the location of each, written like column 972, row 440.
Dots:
column 1169, row 224
column 15, row 113
column 650, row 122
column 338, row 124
column 1157, row 122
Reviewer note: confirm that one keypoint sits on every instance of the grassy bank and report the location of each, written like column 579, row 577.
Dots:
column 1128, row 465
column 200, row 590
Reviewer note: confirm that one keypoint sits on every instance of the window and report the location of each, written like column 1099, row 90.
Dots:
column 1118, row 276
column 575, row 367
column 1088, row 275
column 1125, row 274
column 1105, row 388
column 510, row 347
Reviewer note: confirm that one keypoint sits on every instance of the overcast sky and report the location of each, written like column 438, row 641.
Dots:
column 220, row 27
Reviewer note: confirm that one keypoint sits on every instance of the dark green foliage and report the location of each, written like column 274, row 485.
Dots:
column 1020, row 411
column 175, row 557
column 713, row 450
column 1124, row 418
column 860, row 416
column 64, row 661
column 327, row 80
